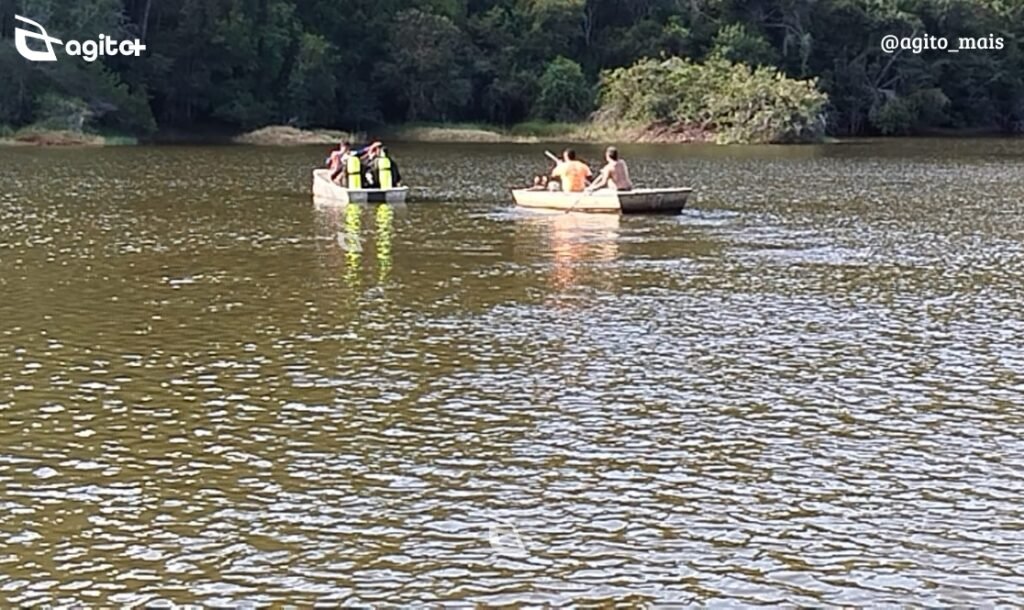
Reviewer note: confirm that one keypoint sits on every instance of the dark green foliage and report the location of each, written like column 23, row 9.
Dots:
column 732, row 102
column 428, row 68
column 736, row 44
column 355, row 63
column 565, row 94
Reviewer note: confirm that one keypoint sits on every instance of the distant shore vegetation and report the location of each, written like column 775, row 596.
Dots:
column 654, row 70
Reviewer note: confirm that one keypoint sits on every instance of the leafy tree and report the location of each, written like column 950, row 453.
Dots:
column 311, row 84
column 736, row 44
column 565, row 94
column 427, row 69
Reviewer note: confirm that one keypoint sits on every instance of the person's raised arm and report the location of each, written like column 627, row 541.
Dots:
column 600, row 181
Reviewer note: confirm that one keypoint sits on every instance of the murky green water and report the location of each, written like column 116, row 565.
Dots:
column 807, row 389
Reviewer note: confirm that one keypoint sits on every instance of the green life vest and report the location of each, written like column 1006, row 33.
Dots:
column 354, row 171
column 384, row 179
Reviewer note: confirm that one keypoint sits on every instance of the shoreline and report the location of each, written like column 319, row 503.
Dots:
column 429, row 133
column 57, row 138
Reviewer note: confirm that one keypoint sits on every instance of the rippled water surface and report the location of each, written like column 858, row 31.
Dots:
column 807, row 389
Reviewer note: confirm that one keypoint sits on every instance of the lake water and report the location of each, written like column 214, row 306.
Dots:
column 807, row 389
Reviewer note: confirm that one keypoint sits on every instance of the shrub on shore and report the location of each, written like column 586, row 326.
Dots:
column 727, row 102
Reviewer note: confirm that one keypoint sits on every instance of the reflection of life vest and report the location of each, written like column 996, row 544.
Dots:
column 384, row 235
column 354, row 171
column 384, row 180
column 353, row 242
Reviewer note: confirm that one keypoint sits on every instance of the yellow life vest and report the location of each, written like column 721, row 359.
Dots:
column 354, row 171
column 384, row 179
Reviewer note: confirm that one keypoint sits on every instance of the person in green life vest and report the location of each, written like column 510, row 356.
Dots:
column 383, row 170
column 347, row 169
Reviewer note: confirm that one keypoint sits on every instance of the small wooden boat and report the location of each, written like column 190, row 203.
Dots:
column 639, row 201
column 325, row 191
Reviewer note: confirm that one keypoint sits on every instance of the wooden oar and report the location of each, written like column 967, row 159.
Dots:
column 577, row 202
column 551, row 156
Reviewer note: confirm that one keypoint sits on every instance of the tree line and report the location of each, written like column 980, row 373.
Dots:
column 241, row 64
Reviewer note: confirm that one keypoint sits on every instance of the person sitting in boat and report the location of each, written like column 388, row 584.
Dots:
column 346, row 168
column 540, row 183
column 380, row 169
column 369, row 152
column 385, row 170
column 571, row 173
column 334, row 159
column 614, row 175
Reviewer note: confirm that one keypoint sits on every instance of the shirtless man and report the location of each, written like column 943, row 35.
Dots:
column 614, row 175
column 336, row 163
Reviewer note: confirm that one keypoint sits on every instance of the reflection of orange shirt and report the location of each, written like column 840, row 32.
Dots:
column 573, row 175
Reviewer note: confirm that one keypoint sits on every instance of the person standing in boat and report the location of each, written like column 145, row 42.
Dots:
column 614, row 175
column 571, row 173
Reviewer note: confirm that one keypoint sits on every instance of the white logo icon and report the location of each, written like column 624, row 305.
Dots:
column 89, row 50
column 349, row 243
column 505, row 539
column 21, row 42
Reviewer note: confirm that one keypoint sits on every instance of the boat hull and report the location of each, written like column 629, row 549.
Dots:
column 640, row 201
column 327, row 192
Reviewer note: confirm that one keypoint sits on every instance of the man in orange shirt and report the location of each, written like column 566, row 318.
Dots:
column 572, row 173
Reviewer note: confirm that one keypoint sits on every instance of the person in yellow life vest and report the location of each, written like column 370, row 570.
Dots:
column 353, row 173
column 387, row 171
column 383, row 170
column 346, row 168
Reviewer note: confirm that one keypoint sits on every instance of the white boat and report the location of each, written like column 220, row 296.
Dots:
column 325, row 191
column 639, row 201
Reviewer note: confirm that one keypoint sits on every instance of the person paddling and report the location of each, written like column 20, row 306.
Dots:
column 571, row 173
column 614, row 175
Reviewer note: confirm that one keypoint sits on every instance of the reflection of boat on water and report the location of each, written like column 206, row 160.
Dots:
column 574, row 240
column 343, row 228
column 326, row 192
column 640, row 201
column 591, row 237
column 385, row 234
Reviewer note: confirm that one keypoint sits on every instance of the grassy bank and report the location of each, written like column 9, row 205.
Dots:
column 522, row 133
column 533, row 132
column 283, row 135
column 34, row 135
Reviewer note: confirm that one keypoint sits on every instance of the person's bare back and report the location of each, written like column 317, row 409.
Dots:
column 614, row 175
column 618, row 175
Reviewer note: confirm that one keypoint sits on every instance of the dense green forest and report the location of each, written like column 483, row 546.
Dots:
column 240, row 64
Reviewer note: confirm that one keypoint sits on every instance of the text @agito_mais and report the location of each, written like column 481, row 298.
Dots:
column 925, row 42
